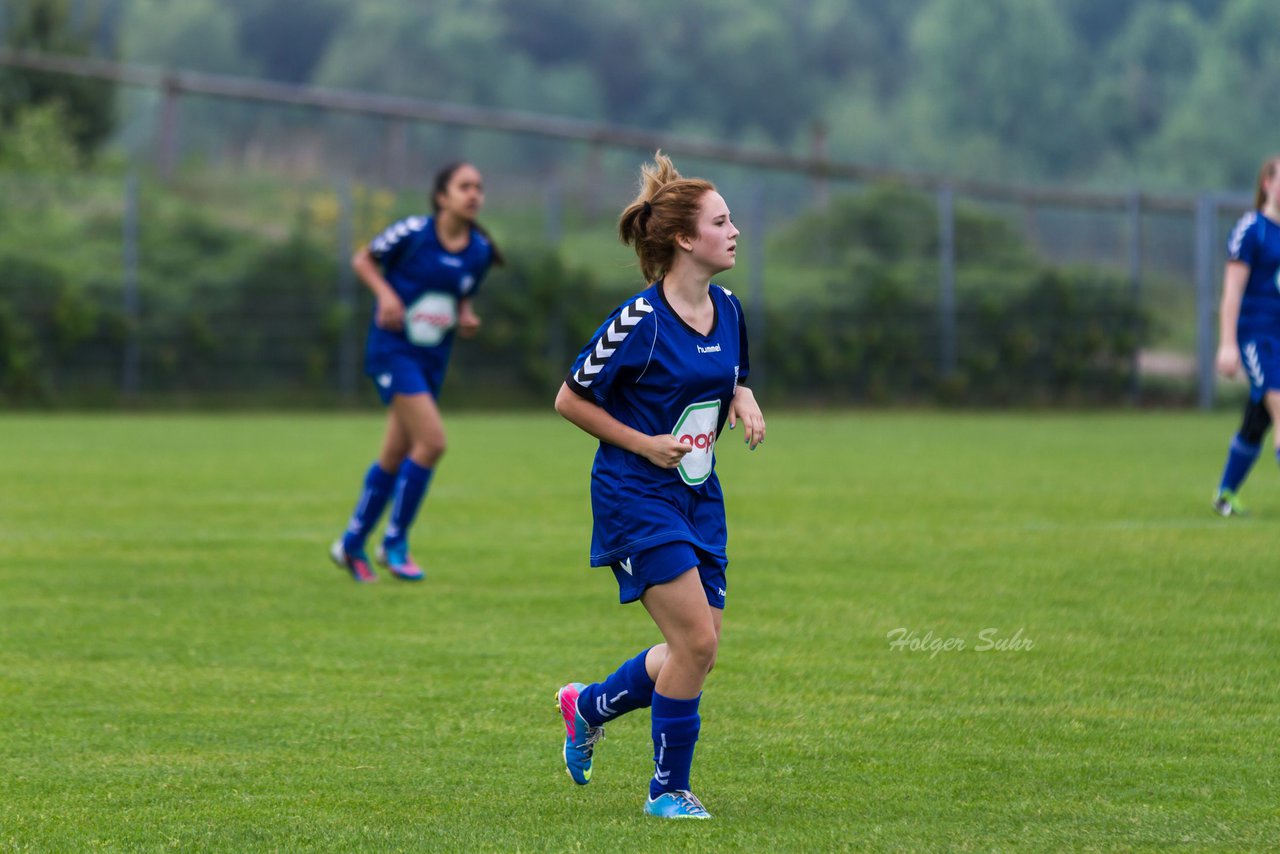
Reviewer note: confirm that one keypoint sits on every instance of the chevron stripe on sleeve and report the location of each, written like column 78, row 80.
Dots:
column 1236, row 242
column 606, row 344
column 394, row 233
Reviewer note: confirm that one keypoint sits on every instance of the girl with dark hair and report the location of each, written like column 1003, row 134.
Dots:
column 424, row 273
column 656, row 384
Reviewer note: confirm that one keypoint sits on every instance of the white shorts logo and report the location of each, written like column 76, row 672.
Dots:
column 697, row 429
column 428, row 320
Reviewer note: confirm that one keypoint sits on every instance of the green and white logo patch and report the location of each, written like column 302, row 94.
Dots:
column 430, row 318
column 696, row 428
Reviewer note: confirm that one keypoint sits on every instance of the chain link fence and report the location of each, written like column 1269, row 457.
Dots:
column 211, row 276
column 210, row 290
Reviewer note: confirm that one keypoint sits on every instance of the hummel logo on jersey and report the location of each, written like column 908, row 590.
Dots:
column 614, row 335
column 384, row 380
column 714, row 348
column 625, row 565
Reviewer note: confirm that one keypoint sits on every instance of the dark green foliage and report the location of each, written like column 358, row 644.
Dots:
column 1025, row 333
column 221, row 312
column 86, row 105
column 536, row 314
column 891, row 224
column 266, row 316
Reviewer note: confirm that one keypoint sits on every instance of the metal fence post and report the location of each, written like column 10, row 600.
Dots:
column 553, row 218
column 1135, row 282
column 346, row 292
column 818, row 150
column 131, row 363
column 946, row 280
column 396, row 147
column 756, row 224
column 594, row 175
column 1206, row 339
column 553, row 232
column 167, row 132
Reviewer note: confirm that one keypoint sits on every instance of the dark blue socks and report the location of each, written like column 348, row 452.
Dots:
column 675, row 722
column 1240, row 459
column 373, row 499
column 675, row 732
column 626, row 689
column 411, row 487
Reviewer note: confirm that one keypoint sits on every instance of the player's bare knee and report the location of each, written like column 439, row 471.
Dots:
column 428, row 454
column 701, row 649
column 654, row 659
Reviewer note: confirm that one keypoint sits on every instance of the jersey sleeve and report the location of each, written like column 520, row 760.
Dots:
column 479, row 268
column 619, row 351
column 1243, row 243
column 387, row 247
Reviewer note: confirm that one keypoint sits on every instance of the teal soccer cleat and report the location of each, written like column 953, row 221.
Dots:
column 580, row 737
column 396, row 558
column 681, row 804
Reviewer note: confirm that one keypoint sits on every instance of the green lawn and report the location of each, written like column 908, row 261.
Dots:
column 180, row 667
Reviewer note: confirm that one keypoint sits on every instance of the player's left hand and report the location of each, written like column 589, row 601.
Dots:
column 745, row 409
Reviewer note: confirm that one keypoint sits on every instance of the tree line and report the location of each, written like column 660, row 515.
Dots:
column 1164, row 94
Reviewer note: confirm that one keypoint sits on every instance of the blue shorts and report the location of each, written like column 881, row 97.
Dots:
column 1260, row 355
column 393, row 374
column 667, row 562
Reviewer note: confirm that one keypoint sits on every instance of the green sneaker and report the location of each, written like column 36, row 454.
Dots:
column 1227, row 503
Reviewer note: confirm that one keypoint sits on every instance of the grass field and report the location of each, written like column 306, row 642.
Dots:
column 181, row 669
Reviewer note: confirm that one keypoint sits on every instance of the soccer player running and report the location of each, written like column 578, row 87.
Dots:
column 1249, row 331
column 655, row 385
column 424, row 272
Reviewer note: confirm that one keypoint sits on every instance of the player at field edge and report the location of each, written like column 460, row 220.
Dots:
column 424, row 272
column 656, row 384
column 1249, row 331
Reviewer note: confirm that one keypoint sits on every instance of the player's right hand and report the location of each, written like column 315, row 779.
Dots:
column 1228, row 361
column 666, row 451
column 390, row 314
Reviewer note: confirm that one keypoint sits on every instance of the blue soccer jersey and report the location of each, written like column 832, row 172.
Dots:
column 646, row 367
column 1256, row 241
column 430, row 281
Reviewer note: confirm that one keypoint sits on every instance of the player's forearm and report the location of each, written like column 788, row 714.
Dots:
column 1233, row 283
column 370, row 276
column 593, row 419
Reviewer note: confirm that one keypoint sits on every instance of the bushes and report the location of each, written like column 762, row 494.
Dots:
column 256, row 314
column 222, row 310
column 536, row 313
column 1024, row 332
column 1061, row 337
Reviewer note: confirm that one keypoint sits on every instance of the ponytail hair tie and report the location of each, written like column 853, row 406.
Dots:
column 648, row 208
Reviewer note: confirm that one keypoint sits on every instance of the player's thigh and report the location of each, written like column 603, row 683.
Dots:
column 419, row 417
column 679, row 607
